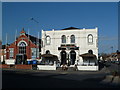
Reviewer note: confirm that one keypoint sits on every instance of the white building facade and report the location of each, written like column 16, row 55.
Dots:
column 68, row 44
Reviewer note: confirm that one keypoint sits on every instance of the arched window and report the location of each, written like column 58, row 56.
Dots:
column 22, row 48
column 90, row 51
column 47, row 52
column 90, row 38
column 48, row 40
column 22, row 44
column 72, row 38
column 63, row 39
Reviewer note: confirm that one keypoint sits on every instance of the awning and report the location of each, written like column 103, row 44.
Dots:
column 48, row 55
column 88, row 55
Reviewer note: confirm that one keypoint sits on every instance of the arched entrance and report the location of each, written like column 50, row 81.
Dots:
column 72, row 57
column 63, row 57
column 21, row 59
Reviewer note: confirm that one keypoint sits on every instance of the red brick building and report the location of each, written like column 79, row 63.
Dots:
column 25, row 47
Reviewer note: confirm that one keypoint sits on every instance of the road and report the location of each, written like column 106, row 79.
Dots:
column 53, row 79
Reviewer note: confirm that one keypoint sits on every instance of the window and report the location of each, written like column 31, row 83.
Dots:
column 90, row 51
column 72, row 38
column 90, row 38
column 48, row 40
column 63, row 39
column 33, row 53
column 11, row 52
column 22, row 48
column 47, row 52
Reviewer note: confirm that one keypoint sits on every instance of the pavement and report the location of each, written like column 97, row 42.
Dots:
column 54, row 79
column 14, row 78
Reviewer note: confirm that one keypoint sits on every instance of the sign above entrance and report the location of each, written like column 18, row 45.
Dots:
column 68, row 45
column 68, row 48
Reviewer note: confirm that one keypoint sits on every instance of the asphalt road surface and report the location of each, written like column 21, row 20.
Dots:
column 53, row 79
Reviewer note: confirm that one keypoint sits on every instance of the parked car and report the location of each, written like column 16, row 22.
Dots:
column 112, row 61
column 117, row 62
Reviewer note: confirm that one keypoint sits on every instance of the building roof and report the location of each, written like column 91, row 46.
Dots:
column 69, row 28
column 48, row 55
column 22, row 31
column 33, row 39
column 88, row 55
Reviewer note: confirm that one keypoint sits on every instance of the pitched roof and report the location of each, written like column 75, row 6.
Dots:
column 22, row 31
column 48, row 55
column 69, row 28
column 33, row 39
column 87, row 55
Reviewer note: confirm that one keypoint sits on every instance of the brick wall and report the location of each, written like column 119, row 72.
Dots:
column 23, row 66
column 4, row 66
column 16, row 48
column 16, row 66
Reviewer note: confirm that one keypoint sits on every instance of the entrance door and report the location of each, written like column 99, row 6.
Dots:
column 21, row 59
column 72, row 57
column 63, row 57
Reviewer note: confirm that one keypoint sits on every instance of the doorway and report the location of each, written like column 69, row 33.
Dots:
column 63, row 57
column 72, row 57
column 21, row 59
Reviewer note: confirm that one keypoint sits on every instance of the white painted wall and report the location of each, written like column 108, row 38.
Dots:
column 10, row 61
column 46, row 67
column 88, row 68
column 2, row 58
column 80, row 41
